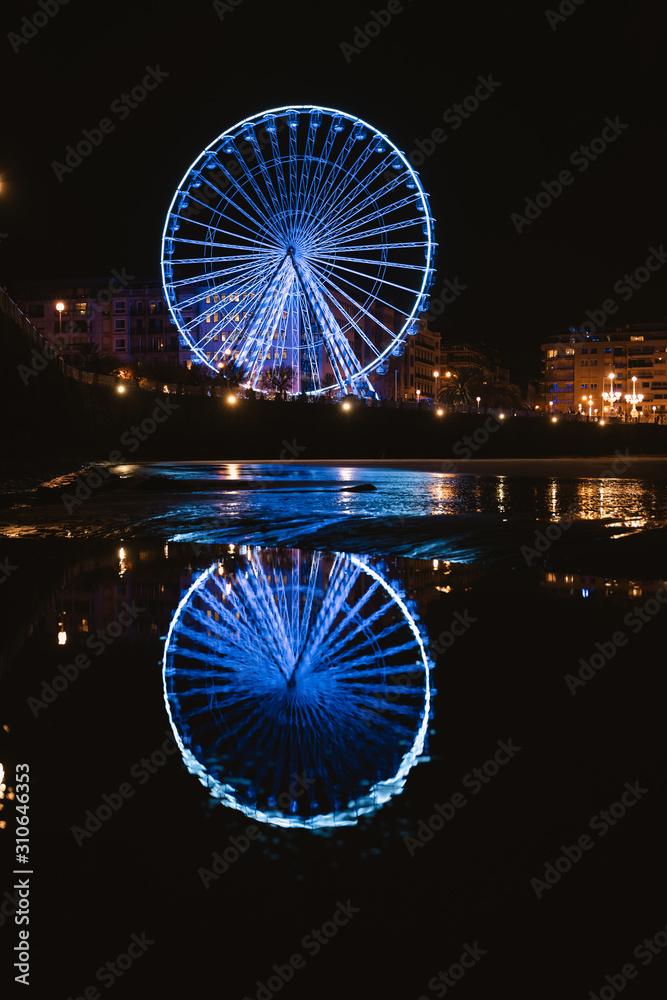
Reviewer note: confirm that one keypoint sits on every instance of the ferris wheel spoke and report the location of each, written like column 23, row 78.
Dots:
column 344, row 200
column 391, row 227
column 304, row 174
column 348, row 199
column 309, row 337
column 268, row 209
column 182, row 216
column 353, row 227
column 327, row 280
column 266, row 219
column 385, row 281
column 337, row 345
column 322, row 163
column 253, row 219
column 327, row 181
column 245, row 275
column 266, row 176
column 353, row 324
column 280, row 177
column 383, row 264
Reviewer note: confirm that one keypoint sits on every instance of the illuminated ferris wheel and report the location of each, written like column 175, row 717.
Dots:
column 301, row 237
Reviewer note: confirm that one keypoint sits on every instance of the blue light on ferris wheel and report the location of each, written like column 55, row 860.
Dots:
column 307, row 226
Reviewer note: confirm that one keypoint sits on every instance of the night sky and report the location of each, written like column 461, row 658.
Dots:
column 555, row 81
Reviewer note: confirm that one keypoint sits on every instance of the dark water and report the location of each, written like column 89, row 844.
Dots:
column 229, row 739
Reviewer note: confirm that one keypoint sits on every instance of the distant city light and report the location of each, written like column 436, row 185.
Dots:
column 120, row 388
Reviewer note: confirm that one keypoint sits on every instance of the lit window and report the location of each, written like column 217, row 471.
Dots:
column 208, row 318
column 215, row 317
column 284, row 355
column 82, row 308
column 215, row 298
column 208, row 300
column 237, row 318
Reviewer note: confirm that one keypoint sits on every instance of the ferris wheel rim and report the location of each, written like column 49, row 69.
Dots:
column 419, row 295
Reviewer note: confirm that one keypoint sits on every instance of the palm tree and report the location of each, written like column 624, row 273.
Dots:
column 461, row 388
column 89, row 357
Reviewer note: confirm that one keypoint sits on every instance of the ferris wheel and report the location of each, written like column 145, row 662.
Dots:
column 301, row 238
column 281, row 663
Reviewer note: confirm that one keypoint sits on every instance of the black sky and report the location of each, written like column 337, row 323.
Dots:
column 557, row 87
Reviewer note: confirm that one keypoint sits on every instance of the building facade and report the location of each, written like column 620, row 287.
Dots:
column 123, row 318
column 580, row 367
column 465, row 356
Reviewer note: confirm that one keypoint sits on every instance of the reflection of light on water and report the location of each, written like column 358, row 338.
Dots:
column 326, row 656
column 443, row 494
column 554, row 495
column 444, row 590
column 500, row 494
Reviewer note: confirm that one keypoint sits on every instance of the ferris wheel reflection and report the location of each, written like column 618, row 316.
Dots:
column 298, row 685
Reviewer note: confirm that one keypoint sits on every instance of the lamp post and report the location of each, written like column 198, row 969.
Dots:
column 418, row 395
column 478, row 401
column 436, row 376
column 60, row 306
column 634, row 399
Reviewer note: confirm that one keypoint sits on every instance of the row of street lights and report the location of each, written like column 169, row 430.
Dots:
column 611, row 400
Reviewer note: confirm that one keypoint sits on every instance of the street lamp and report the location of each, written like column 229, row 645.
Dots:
column 478, row 401
column 634, row 399
column 436, row 376
column 60, row 306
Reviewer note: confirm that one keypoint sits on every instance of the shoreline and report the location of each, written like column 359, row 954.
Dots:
column 583, row 467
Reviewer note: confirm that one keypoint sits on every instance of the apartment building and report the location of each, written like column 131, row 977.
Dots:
column 579, row 367
column 124, row 318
